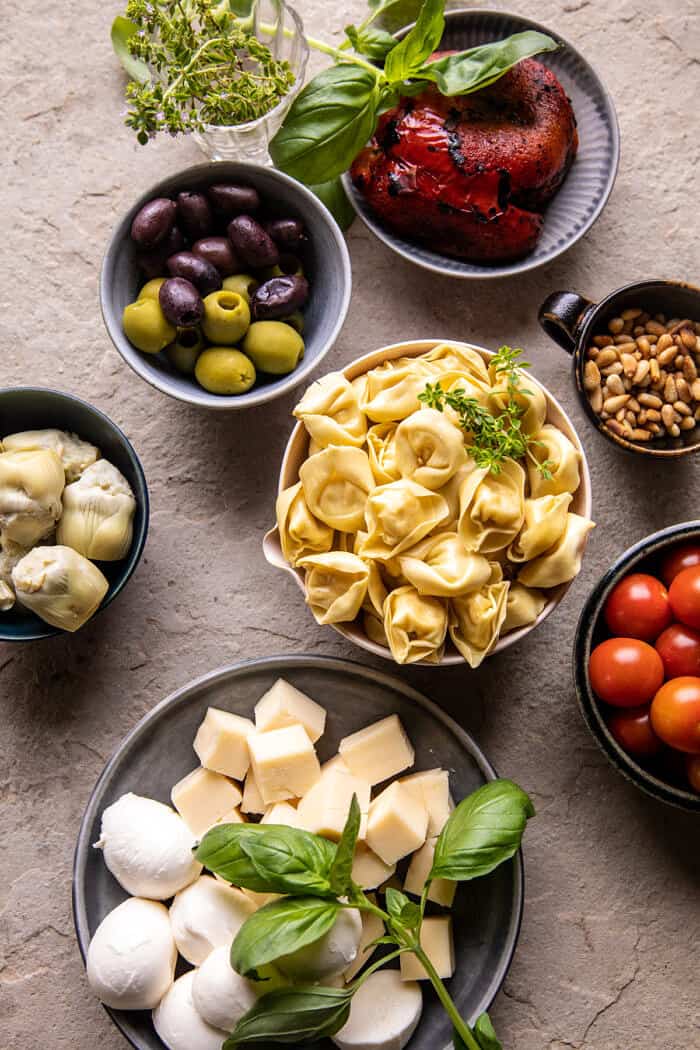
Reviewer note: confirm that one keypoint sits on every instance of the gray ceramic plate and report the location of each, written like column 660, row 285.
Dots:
column 159, row 751
column 587, row 186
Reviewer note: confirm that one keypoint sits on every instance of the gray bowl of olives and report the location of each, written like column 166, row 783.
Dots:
column 225, row 285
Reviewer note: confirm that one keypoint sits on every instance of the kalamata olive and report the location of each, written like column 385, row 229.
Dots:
column 288, row 234
column 181, row 302
column 229, row 200
column 152, row 261
column 218, row 252
column 250, row 241
column 279, row 297
column 194, row 214
column 205, row 277
column 153, row 222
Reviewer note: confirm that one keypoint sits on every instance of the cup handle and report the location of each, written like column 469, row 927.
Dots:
column 561, row 315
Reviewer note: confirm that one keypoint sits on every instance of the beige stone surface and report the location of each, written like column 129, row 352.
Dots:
column 608, row 956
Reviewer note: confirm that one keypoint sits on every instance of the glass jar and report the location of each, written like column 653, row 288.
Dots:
column 278, row 26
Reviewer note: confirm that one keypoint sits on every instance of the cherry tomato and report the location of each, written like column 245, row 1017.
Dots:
column 679, row 648
column 638, row 607
column 625, row 672
column 684, row 596
column 692, row 768
column 633, row 732
column 675, row 714
column 678, row 559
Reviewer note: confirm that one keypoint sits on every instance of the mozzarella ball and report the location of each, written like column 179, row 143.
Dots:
column 330, row 954
column 131, row 958
column 220, row 994
column 178, row 1023
column 384, row 1014
column 147, row 847
column 207, row 915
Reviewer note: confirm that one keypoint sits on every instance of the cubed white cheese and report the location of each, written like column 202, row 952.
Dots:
column 378, row 751
column 433, row 789
column 335, row 763
column 442, row 891
column 437, row 943
column 282, row 813
column 285, row 764
column 368, row 870
column 372, row 928
column 203, row 797
column 221, row 743
column 324, row 809
column 397, row 824
column 283, row 705
column 252, row 799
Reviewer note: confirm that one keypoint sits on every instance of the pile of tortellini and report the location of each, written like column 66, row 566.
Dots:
column 394, row 523
column 62, row 507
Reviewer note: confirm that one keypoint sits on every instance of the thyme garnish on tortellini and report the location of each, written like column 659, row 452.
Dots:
column 434, row 502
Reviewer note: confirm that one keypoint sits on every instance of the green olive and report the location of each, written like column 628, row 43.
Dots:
column 273, row 347
column 243, row 284
column 146, row 327
column 296, row 320
column 226, row 317
column 151, row 289
column 183, row 353
column 221, row 370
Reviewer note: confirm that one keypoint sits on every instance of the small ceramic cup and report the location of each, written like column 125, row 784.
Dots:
column 657, row 777
column 572, row 320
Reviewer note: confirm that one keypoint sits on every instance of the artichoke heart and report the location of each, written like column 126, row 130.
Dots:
column 74, row 453
column 7, row 597
column 31, row 485
column 59, row 585
column 98, row 513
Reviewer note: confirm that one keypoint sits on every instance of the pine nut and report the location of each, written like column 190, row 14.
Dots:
column 666, row 356
column 617, row 428
column 606, row 357
column 613, row 385
column 641, row 371
column 681, row 408
column 683, row 389
column 664, row 342
column 695, row 389
column 644, row 345
column 668, row 416
column 650, row 400
column 640, row 435
column 653, row 416
column 614, row 404
column 688, row 423
column 621, row 339
column 670, row 390
column 631, row 314
column 654, row 328
column 591, row 376
column 688, row 338
column 615, row 369
column 592, row 353
column 616, row 325
column 595, row 400
column 629, row 364
column 602, row 340
column 634, row 404
column 654, row 370
column 674, row 431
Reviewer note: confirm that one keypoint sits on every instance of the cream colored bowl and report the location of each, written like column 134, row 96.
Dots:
column 297, row 451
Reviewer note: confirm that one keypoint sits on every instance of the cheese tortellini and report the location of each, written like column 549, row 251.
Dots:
column 404, row 522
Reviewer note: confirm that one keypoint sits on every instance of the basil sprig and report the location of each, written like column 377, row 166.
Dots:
column 335, row 115
column 485, row 830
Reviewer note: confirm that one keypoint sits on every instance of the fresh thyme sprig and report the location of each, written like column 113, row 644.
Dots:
column 206, row 68
column 492, row 438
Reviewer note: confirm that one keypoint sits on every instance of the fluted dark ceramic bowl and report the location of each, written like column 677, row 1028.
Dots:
column 572, row 320
column 656, row 777
column 588, row 185
column 37, row 408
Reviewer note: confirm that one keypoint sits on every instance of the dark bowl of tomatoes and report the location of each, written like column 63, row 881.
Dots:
column 637, row 664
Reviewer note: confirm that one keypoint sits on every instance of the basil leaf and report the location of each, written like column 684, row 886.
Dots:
column 292, row 1015
column 122, row 30
column 341, row 869
column 395, row 902
column 485, row 1033
column 395, row 14
column 279, row 929
column 333, row 195
column 471, row 70
column 371, row 42
column 269, row 858
column 408, row 56
column 329, row 122
column 242, row 8
column 404, row 913
column 484, row 830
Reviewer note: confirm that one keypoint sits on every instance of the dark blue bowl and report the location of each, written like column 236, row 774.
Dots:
column 36, row 408
column 653, row 777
